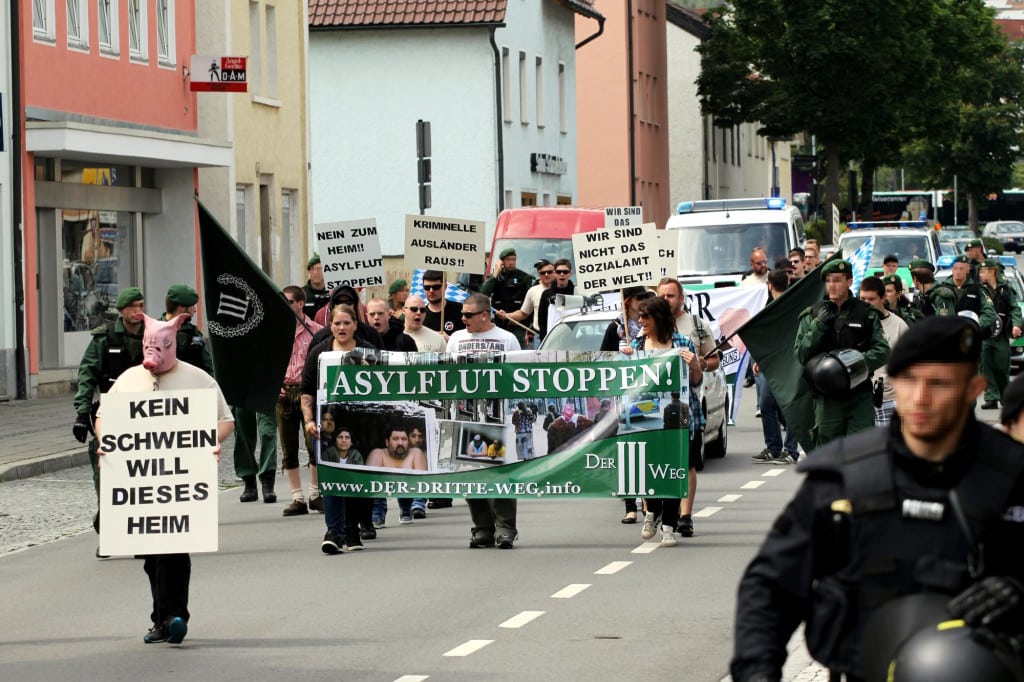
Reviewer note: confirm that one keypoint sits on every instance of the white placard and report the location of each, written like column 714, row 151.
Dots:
column 668, row 253
column 623, row 216
column 614, row 258
column 445, row 244
column 350, row 253
column 158, row 476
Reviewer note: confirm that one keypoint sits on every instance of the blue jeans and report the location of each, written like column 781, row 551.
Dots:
column 771, row 425
column 524, row 445
column 405, row 506
column 334, row 513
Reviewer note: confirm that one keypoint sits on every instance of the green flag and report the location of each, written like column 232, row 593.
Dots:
column 770, row 337
column 251, row 325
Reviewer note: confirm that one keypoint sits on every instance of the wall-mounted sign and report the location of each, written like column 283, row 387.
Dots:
column 217, row 74
column 548, row 163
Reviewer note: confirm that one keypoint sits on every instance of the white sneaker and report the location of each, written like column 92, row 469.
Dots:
column 668, row 537
column 648, row 532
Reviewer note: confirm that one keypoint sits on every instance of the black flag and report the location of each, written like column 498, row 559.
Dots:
column 251, row 325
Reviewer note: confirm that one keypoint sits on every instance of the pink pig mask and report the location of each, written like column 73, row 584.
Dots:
column 159, row 343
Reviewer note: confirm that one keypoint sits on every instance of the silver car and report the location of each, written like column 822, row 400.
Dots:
column 1010, row 234
column 585, row 331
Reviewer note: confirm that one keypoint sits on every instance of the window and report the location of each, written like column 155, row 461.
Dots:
column 563, row 200
column 506, row 85
column 255, row 49
column 562, row 116
column 271, row 51
column 43, row 23
column 528, row 198
column 242, row 213
column 289, row 207
column 165, row 32
column 137, row 30
column 107, row 19
column 524, row 111
column 539, row 86
column 78, row 24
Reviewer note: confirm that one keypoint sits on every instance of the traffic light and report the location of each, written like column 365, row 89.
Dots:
column 423, row 163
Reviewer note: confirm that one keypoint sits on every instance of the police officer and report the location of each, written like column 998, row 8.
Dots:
column 315, row 289
column 840, row 322
column 930, row 504
column 115, row 346
column 192, row 347
column 995, row 351
column 507, row 289
column 922, row 274
column 975, row 257
column 897, row 303
column 959, row 294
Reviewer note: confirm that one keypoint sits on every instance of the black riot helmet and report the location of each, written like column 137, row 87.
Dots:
column 836, row 373
column 951, row 652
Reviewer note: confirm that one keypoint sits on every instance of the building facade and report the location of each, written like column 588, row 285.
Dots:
column 8, row 310
column 109, row 171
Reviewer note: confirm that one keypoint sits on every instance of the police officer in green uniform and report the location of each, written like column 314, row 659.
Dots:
column 115, row 346
column 507, row 289
column 897, row 303
column 840, row 322
column 891, row 519
column 922, row 274
column 976, row 257
column 192, row 347
column 959, row 294
column 995, row 351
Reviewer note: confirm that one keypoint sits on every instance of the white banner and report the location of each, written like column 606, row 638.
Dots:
column 350, row 253
column 726, row 309
column 445, row 244
column 614, row 258
column 158, row 476
column 668, row 260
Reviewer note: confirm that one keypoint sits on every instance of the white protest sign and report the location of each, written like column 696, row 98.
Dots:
column 446, row 244
column 158, row 476
column 668, row 255
column 350, row 253
column 623, row 216
column 615, row 258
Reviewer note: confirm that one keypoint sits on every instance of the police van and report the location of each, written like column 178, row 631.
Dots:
column 717, row 236
column 905, row 239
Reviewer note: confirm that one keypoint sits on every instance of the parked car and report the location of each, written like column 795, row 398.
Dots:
column 584, row 332
column 1009, row 232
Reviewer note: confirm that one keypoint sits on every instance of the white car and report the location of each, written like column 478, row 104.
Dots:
column 585, row 331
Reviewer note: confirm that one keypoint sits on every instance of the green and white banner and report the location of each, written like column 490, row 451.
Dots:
column 519, row 425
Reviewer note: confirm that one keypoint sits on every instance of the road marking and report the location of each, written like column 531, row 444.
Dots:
column 706, row 512
column 729, row 498
column 521, row 619
column 412, row 678
column 570, row 591
column 613, row 567
column 774, row 472
column 467, row 648
column 751, row 485
column 645, row 548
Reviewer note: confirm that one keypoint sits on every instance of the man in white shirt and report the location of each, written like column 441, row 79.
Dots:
column 758, row 275
column 872, row 292
column 427, row 340
column 494, row 520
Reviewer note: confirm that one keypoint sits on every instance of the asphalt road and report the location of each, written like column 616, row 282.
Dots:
column 582, row 597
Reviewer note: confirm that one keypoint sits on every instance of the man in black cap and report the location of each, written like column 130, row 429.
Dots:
column 897, row 302
column 890, row 264
column 995, row 350
column 507, row 290
column 192, row 347
column 933, row 503
column 922, row 275
column 529, row 312
column 315, row 289
column 837, row 324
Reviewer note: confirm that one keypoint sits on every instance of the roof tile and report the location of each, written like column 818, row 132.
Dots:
column 351, row 13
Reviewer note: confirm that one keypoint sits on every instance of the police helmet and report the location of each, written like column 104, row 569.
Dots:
column 836, row 373
column 950, row 652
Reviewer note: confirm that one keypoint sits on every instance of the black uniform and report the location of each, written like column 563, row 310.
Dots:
column 507, row 291
column 315, row 299
column 873, row 522
column 547, row 298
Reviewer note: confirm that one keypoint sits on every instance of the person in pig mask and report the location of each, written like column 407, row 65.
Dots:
column 169, row 574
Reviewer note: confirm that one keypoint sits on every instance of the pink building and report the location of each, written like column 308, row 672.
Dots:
column 109, row 169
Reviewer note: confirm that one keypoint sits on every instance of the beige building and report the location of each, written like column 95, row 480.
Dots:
column 262, row 200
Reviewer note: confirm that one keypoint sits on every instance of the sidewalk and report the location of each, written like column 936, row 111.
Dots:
column 35, row 437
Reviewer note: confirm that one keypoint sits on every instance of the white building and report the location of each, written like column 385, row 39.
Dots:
column 497, row 86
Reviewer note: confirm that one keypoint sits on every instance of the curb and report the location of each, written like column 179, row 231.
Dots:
column 46, row 464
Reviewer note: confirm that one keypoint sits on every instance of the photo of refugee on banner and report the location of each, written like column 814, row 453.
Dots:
column 572, row 424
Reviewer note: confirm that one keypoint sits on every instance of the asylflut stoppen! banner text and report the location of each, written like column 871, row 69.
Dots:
column 519, row 425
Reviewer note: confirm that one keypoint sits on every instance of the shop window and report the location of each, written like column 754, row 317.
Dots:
column 97, row 250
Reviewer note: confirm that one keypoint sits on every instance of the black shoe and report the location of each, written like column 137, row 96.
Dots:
column 249, row 494
column 505, row 541
column 685, row 526
column 316, row 504
column 267, row 479
column 480, row 540
column 331, row 544
column 418, row 513
column 990, row 405
column 748, row 383
column 353, row 543
column 157, row 633
column 439, row 503
column 368, row 534
column 177, row 628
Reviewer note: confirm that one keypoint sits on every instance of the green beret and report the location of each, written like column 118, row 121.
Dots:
column 921, row 263
column 992, row 263
column 506, row 253
column 182, row 294
column 962, row 258
column 975, row 242
column 129, row 295
column 936, row 340
column 397, row 286
column 836, row 265
column 313, row 261
column 894, row 280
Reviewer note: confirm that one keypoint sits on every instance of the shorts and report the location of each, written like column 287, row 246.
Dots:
column 697, row 450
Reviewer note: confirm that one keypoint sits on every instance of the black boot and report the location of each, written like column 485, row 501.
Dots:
column 249, row 494
column 267, row 479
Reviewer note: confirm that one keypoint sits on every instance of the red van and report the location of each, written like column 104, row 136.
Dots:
column 541, row 232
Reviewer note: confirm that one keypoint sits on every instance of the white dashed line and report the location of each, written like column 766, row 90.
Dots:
column 729, row 498
column 751, row 485
column 467, row 648
column 412, row 678
column 612, row 568
column 570, row 591
column 706, row 512
column 645, row 548
column 521, row 619
column 774, row 472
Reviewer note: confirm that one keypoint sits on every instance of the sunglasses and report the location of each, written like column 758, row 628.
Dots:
column 465, row 314
column 293, row 300
column 542, row 273
column 562, row 272
column 644, row 316
column 415, row 310
column 796, row 262
column 431, row 287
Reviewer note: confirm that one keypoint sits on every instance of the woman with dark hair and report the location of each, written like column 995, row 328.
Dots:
column 658, row 332
column 342, row 451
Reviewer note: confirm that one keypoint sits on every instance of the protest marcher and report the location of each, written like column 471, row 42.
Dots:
column 426, row 340
column 562, row 284
column 615, row 334
column 346, row 295
column 289, row 411
column 391, row 330
column 796, row 259
column 315, row 290
column 442, row 315
column 757, row 276
column 494, row 520
column 169, row 574
column 812, row 250
column 872, row 292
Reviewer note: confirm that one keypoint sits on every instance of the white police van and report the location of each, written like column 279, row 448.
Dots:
column 717, row 236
